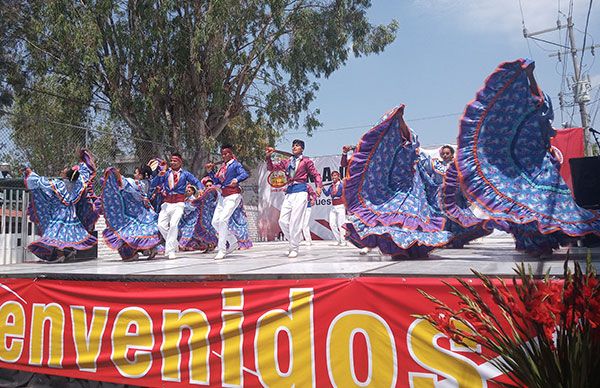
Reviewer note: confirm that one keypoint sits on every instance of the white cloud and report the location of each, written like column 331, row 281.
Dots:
column 504, row 16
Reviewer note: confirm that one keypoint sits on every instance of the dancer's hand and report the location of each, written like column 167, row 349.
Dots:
column 318, row 190
column 269, row 151
column 209, row 166
column 233, row 183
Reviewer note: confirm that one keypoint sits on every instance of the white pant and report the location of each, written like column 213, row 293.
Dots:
column 292, row 217
column 337, row 218
column 305, row 228
column 220, row 221
column 168, row 224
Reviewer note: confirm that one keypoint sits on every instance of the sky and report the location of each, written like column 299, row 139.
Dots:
column 443, row 52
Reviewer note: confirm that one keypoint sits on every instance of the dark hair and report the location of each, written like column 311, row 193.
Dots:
column 145, row 171
column 177, row 154
column 227, row 146
column 299, row 142
column 72, row 174
column 449, row 147
column 193, row 188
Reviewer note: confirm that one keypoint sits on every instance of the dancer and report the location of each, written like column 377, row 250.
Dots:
column 229, row 176
column 337, row 215
column 88, row 207
column 53, row 208
column 312, row 200
column 443, row 189
column 387, row 204
column 436, row 167
column 297, row 170
column 142, row 176
column 131, row 222
column 344, row 162
column 196, row 230
column 188, row 238
column 172, row 184
column 504, row 161
column 190, row 193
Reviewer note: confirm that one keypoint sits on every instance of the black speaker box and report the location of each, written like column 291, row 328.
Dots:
column 585, row 173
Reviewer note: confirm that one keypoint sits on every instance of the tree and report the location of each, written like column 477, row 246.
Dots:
column 47, row 129
column 180, row 71
column 10, row 14
column 249, row 138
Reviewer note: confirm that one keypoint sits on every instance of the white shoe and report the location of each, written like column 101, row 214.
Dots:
column 293, row 254
column 343, row 243
column 172, row 255
column 220, row 255
column 364, row 250
column 232, row 247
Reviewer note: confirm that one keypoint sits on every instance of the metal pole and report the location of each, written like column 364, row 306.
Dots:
column 3, row 229
column 578, row 85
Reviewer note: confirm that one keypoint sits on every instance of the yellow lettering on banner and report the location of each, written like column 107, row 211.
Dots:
column 140, row 341
column 12, row 325
column 54, row 314
column 422, row 344
column 297, row 321
column 88, row 342
column 417, row 381
column 232, row 337
column 381, row 350
column 174, row 321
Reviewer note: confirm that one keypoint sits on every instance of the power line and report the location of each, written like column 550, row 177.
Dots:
column 587, row 22
column 525, row 29
column 372, row 125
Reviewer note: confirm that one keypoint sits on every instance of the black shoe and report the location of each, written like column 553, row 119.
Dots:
column 69, row 254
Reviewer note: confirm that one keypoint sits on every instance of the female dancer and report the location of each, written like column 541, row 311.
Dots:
column 444, row 189
column 504, row 161
column 63, row 210
column 131, row 222
column 388, row 206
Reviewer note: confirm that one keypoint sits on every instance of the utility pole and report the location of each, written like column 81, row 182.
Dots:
column 581, row 86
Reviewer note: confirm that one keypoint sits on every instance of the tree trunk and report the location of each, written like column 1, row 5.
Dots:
column 200, row 158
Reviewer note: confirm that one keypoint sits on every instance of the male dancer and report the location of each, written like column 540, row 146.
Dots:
column 312, row 200
column 229, row 176
column 172, row 183
column 297, row 170
column 337, row 216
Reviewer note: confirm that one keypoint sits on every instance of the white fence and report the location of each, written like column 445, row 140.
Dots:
column 16, row 232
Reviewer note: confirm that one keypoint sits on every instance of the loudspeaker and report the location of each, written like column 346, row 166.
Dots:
column 586, row 181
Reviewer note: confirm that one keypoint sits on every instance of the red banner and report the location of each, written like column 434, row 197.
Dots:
column 311, row 332
column 569, row 143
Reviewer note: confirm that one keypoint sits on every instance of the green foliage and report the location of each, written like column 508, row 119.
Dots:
column 248, row 139
column 46, row 128
column 541, row 333
column 179, row 72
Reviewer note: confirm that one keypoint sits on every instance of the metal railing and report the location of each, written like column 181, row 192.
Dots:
column 16, row 231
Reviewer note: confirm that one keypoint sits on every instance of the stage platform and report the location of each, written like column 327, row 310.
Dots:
column 494, row 255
